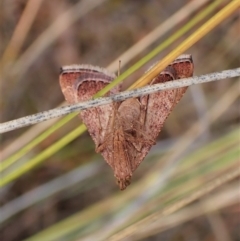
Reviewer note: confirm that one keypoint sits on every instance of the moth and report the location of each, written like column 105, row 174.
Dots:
column 124, row 132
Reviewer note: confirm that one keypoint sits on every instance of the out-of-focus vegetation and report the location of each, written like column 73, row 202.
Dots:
column 186, row 187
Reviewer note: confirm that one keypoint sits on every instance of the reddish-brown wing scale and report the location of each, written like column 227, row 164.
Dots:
column 158, row 106
column 79, row 83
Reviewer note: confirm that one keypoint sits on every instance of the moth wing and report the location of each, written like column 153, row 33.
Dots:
column 159, row 105
column 80, row 83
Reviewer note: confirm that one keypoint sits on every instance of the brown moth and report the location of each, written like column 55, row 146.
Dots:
column 124, row 132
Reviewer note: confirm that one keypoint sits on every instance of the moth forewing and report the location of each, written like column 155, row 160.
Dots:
column 158, row 106
column 79, row 83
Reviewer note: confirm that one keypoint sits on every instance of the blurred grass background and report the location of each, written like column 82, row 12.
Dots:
column 187, row 186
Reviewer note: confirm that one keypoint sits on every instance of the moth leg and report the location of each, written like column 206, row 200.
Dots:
column 100, row 147
column 106, row 149
column 143, row 109
column 140, row 139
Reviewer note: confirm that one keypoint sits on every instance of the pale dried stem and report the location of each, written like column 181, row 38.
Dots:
column 43, row 116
